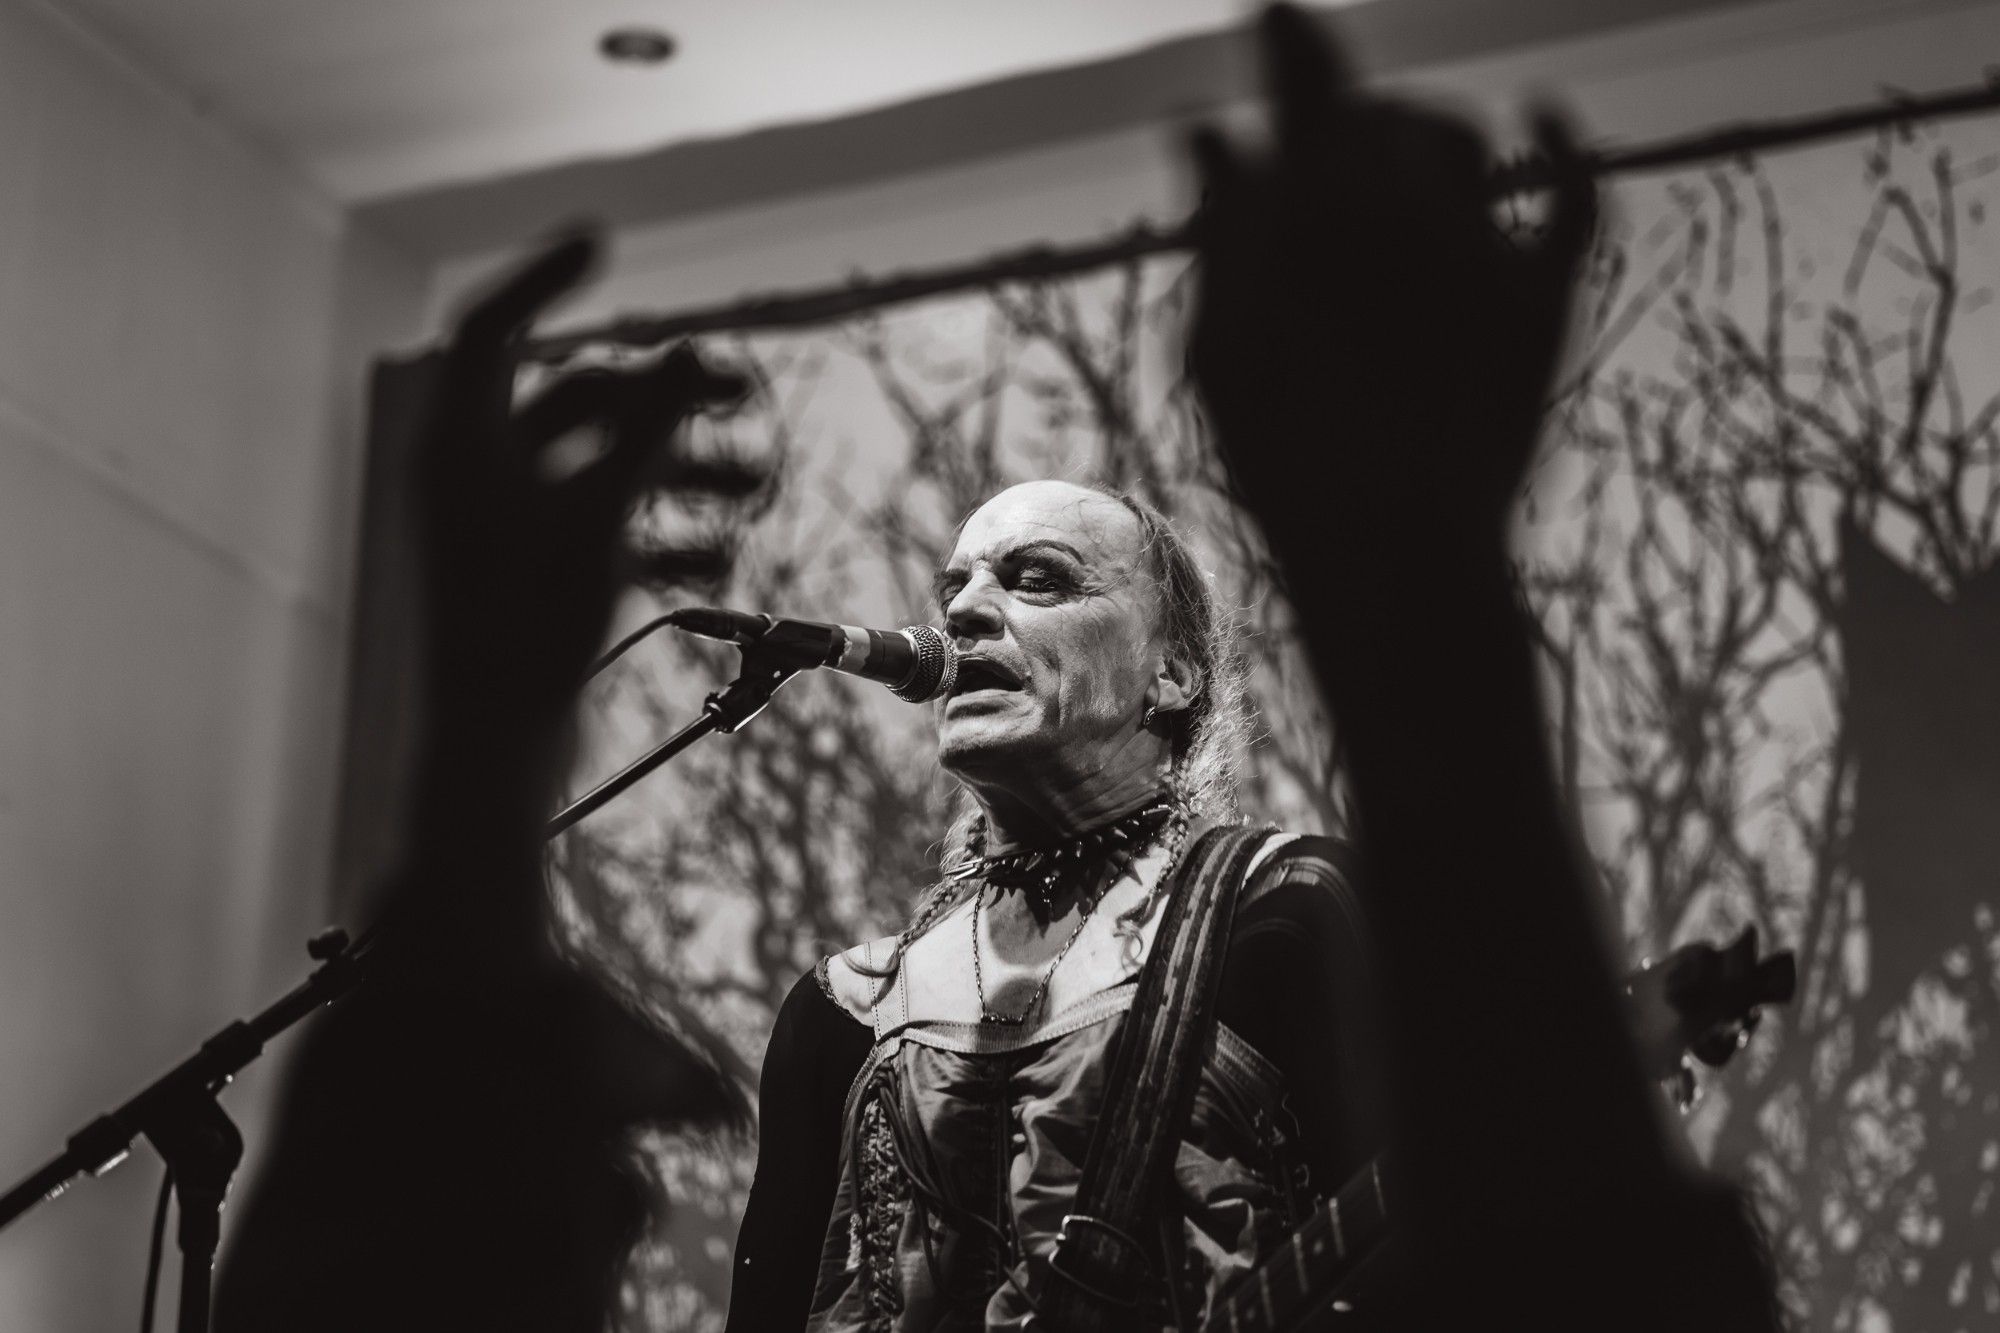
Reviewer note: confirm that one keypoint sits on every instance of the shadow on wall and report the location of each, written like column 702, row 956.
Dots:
column 1779, row 441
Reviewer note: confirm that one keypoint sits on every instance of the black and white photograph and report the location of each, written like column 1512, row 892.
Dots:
column 999, row 666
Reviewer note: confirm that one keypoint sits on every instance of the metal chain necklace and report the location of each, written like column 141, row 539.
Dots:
column 990, row 1016
column 1120, row 839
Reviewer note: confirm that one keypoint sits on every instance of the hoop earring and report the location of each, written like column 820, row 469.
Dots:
column 1150, row 716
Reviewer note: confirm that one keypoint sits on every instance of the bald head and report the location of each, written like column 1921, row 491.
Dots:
column 1062, row 510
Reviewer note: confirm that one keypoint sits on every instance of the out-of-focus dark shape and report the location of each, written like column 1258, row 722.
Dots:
column 1374, row 358
column 636, row 46
column 1704, row 1002
column 1923, row 708
column 451, row 1151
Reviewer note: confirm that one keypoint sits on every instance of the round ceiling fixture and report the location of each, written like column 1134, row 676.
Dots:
column 635, row 46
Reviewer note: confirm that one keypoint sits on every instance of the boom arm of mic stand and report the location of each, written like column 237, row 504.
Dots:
column 727, row 710
column 101, row 1143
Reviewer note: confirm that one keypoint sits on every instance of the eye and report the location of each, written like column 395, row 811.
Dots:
column 1042, row 576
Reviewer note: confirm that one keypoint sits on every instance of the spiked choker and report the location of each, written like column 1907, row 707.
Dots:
column 1044, row 873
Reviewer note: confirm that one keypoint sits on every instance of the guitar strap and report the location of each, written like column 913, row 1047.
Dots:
column 1103, row 1272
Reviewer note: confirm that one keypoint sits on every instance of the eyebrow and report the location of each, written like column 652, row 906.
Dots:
column 943, row 579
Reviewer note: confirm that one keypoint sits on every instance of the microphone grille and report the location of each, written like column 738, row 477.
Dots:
column 936, row 670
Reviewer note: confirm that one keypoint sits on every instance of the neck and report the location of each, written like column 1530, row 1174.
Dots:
column 1047, row 816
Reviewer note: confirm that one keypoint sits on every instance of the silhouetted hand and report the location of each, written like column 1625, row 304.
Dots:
column 1374, row 357
column 521, row 564
column 452, row 1146
column 1372, row 352
column 520, row 571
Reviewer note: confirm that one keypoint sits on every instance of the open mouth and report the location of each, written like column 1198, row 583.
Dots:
column 983, row 673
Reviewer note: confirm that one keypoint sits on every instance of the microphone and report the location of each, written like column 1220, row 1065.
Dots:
column 918, row 664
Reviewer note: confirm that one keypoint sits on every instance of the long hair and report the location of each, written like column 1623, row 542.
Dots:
column 1207, row 739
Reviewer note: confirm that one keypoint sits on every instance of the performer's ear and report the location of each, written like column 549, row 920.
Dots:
column 1175, row 686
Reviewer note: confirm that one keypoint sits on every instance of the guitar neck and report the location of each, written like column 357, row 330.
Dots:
column 1305, row 1273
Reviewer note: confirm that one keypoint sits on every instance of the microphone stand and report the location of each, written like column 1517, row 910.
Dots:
column 727, row 710
column 178, row 1112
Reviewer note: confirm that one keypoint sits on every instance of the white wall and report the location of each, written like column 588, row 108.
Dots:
column 1638, row 84
column 182, row 327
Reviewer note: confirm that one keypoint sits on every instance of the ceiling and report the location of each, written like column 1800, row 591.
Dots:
column 381, row 101
column 375, row 98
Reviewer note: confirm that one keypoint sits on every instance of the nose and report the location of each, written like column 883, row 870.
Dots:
column 974, row 611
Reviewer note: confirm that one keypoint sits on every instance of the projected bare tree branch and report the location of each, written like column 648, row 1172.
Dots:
column 1760, row 552
column 1764, row 566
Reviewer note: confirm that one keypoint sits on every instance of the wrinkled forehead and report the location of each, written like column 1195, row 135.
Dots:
column 1102, row 532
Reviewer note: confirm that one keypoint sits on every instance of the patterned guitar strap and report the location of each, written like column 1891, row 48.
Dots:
column 1105, row 1275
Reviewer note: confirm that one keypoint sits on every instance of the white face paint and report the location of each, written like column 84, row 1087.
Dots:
column 1048, row 593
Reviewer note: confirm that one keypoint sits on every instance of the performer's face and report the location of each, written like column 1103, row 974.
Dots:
column 1049, row 590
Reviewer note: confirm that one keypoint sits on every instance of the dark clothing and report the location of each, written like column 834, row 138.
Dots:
column 1292, row 1046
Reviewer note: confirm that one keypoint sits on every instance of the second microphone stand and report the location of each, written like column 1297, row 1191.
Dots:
column 179, row 1112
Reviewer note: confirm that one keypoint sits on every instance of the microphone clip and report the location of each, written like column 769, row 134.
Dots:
column 765, row 667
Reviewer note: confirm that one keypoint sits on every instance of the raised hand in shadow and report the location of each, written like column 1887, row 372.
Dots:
column 520, row 564
column 1363, row 326
column 1374, row 356
column 452, row 1149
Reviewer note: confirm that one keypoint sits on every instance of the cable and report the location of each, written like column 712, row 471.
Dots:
column 153, row 1252
column 619, row 649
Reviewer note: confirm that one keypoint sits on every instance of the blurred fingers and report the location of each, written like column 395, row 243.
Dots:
column 655, row 403
column 709, row 386
column 1573, row 220
column 724, row 478
column 575, row 400
column 498, row 317
column 660, row 568
column 1216, row 167
column 1306, row 78
column 1548, row 272
column 1218, row 221
column 1448, row 160
column 682, row 383
column 475, row 384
